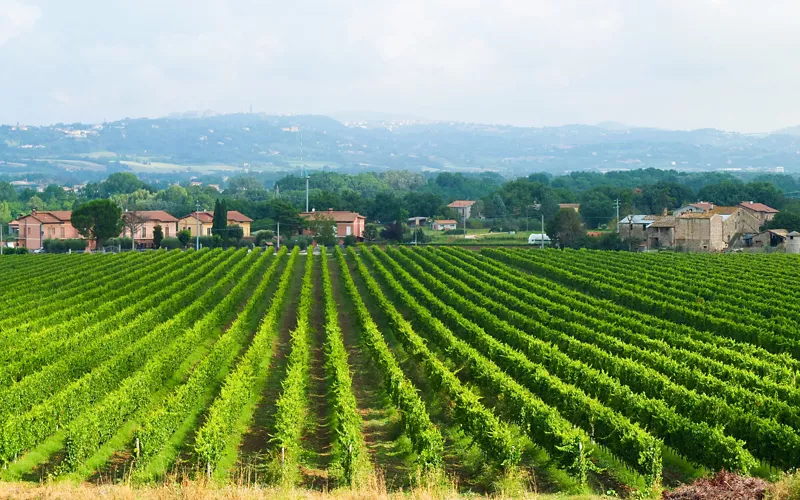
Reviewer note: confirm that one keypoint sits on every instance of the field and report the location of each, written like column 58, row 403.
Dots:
column 436, row 370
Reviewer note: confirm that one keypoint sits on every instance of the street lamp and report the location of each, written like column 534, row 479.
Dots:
column 197, row 217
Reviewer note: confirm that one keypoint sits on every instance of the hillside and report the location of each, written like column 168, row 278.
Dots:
column 230, row 143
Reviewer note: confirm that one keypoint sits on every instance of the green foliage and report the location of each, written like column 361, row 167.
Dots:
column 292, row 405
column 371, row 232
column 241, row 384
column 566, row 229
column 220, row 222
column 158, row 236
column 156, row 428
column 491, row 434
column 63, row 246
column 425, row 437
column 349, row 240
column 98, row 220
column 184, row 236
column 350, row 462
column 263, row 237
column 785, row 220
column 124, row 243
column 323, row 227
column 170, row 243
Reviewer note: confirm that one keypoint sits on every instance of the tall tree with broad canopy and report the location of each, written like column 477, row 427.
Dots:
column 98, row 220
column 567, row 228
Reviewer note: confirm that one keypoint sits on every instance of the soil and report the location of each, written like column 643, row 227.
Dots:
column 723, row 486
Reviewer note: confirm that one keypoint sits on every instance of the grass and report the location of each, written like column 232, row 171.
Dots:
column 202, row 490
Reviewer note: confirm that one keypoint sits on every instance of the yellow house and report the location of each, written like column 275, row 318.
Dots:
column 205, row 220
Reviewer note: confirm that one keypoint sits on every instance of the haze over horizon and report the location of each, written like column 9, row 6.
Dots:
column 683, row 64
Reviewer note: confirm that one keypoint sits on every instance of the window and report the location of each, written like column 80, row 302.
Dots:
column 349, row 230
column 62, row 231
column 166, row 233
column 144, row 232
column 208, row 231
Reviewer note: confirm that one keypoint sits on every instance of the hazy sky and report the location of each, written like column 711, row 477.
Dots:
column 732, row 64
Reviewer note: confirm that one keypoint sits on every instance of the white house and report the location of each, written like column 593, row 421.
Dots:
column 444, row 225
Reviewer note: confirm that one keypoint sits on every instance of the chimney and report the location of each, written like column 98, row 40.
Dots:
column 664, row 212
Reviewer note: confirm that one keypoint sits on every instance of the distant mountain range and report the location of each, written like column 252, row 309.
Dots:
column 206, row 142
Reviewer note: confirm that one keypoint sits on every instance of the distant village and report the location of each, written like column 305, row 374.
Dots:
column 705, row 227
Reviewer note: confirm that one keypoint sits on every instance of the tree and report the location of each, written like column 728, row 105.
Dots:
column 566, row 228
column 5, row 213
column 98, row 220
column 785, row 220
column 496, row 209
column 349, row 240
column 371, row 232
column 158, row 236
column 133, row 221
column 7, row 192
column 394, row 232
column 184, row 236
column 323, row 228
column 121, row 183
column 234, row 233
column 36, row 203
column 220, row 223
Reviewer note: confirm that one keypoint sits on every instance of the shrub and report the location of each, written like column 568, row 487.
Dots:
column 349, row 240
column 261, row 238
column 454, row 231
column 170, row 243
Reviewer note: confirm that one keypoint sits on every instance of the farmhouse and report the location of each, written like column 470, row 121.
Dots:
column 347, row 223
column 700, row 229
column 45, row 225
column 760, row 211
column 444, row 225
column 204, row 221
column 145, row 223
column 462, row 207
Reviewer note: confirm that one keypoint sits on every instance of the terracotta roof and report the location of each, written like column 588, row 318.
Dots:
column 668, row 221
column 461, row 204
column 62, row 215
column 237, row 216
column 203, row 216
column 696, row 215
column 336, row 215
column 702, row 205
column 158, row 215
column 758, row 207
column 51, row 216
column 724, row 210
column 446, row 221
column 574, row 206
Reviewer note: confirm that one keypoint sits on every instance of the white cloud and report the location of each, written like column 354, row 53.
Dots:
column 673, row 63
column 15, row 18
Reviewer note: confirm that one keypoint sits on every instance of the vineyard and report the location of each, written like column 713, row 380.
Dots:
column 500, row 370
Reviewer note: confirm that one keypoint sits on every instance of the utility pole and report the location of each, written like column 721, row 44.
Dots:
column 279, row 235
column 197, row 218
column 307, row 178
column 465, row 224
column 542, row 231
column 616, row 204
column 1, row 238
